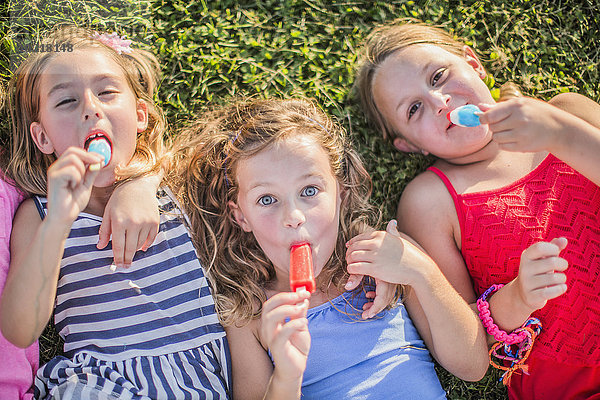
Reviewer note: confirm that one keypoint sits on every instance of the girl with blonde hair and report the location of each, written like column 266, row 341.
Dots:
column 145, row 331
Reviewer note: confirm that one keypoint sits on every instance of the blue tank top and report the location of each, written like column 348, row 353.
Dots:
column 380, row 358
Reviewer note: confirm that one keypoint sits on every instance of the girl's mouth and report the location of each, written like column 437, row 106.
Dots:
column 98, row 142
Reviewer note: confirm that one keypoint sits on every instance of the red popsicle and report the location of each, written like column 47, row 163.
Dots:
column 301, row 268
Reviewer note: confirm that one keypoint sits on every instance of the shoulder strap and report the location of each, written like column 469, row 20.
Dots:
column 455, row 197
column 39, row 206
column 446, row 181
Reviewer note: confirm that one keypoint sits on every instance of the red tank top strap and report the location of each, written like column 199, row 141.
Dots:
column 455, row 197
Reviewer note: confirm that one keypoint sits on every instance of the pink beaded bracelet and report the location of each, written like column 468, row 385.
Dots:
column 484, row 314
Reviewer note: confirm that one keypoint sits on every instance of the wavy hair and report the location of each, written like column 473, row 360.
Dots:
column 206, row 156
column 27, row 165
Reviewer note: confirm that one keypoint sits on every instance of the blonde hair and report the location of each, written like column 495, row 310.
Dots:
column 386, row 40
column 207, row 155
column 27, row 165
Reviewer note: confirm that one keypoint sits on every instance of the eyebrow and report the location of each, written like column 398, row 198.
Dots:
column 303, row 177
column 423, row 70
column 68, row 84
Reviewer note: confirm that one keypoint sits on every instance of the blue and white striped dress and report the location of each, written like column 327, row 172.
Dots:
column 146, row 332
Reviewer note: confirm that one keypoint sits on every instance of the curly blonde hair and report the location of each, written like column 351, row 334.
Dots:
column 206, row 158
column 27, row 165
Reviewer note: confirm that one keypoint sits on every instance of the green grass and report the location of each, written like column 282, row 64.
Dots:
column 213, row 50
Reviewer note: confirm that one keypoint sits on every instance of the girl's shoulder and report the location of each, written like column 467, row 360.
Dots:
column 426, row 193
column 426, row 210
column 25, row 223
column 28, row 210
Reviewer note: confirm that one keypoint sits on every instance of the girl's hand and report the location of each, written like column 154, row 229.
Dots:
column 70, row 182
column 382, row 297
column 289, row 342
column 541, row 273
column 131, row 216
column 386, row 256
column 525, row 124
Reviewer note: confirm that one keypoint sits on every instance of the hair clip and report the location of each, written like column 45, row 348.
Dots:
column 116, row 42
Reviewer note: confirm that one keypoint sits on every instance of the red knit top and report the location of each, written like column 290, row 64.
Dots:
column 551, row 201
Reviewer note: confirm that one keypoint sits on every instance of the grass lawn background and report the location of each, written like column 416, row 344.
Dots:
column 213, row 50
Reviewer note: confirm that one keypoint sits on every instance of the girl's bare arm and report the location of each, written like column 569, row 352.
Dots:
column 28, row 297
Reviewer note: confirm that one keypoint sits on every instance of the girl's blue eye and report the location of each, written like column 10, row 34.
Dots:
column 413, row 109
column 266, row 200
column 310, row 191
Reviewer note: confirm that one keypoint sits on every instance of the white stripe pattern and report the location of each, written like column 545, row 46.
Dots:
column 148, row 331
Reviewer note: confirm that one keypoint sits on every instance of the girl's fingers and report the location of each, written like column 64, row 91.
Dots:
column 142, row 238
column 541, row 250
column 90, row 177
column 392, row 228
column 366, row 242
column 550, row 292
column 82, row 155
column 544, row 280
column 118, row 244
column 285, row 333
column 542, row 267
column 291, row 298
column 561, row 242
column 105, row 231
column 354, row 256
column 378, row 305
column 281, row 313
column 274, row 319
column 152, row 232
column 365, row 236
column 353, row 281
column 370, row 295
column 131, row 246
column 493, row 114
column 361, row 268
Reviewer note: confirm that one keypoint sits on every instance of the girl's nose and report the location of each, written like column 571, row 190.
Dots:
column 90, row 106
column 440, row 101
column 294, row 217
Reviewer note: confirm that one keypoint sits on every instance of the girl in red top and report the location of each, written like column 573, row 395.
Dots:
column 514, row 201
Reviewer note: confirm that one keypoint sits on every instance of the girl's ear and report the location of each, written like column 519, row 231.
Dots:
column 404, row 146
column 142, row 115
column 41, row 140
column 238, row 215
column 474, row 62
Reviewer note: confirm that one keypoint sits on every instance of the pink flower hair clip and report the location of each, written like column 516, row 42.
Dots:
column 113, row 40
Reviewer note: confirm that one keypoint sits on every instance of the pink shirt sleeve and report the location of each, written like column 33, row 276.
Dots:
column 18, row 366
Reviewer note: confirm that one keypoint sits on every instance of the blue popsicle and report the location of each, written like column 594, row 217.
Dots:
column 465, row 115
column 100, row 146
